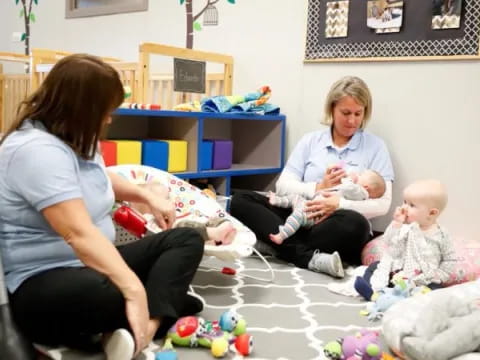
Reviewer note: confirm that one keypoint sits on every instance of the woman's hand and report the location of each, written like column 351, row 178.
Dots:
column 321, row 208
column 163, row 209
column 332, row 177
column 136, row 309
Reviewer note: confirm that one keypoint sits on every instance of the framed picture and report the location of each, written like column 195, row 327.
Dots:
column 392, row 30
column 84, row 8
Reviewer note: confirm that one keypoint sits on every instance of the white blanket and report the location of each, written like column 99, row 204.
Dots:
column 399, row 320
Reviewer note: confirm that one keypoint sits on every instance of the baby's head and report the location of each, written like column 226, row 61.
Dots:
column 424, row 200
column 373, row 182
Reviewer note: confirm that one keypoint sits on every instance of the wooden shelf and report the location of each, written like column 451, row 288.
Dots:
column 258, row 140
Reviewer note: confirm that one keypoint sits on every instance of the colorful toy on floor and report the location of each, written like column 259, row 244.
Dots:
column 219, row 336
column 385, row 298
column 219, row 347
column 364, row 345
column 243, row 344
column 229, row 320
column 167, row 352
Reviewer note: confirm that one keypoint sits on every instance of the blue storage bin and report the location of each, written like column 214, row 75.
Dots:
column 155, row 154
column 206, row 155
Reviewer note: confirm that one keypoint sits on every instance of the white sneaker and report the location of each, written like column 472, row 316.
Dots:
column 330, row 264
column 119, row 345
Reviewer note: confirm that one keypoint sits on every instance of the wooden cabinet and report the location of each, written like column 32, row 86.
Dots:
column 258, row 142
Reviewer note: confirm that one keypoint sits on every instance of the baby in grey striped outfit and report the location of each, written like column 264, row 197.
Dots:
column 366, row 185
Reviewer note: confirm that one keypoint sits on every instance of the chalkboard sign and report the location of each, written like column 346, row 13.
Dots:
column 189, row 76
column 414, row 40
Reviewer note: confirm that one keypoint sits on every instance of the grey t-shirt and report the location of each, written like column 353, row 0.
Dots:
column 38, row 170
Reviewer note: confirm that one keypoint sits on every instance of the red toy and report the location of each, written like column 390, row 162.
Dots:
column 130, row 220
column 243, row 344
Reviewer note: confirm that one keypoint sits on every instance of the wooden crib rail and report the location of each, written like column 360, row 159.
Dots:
column 50, row 57
column 13, row 88
column 147, row 80
column 161, row 90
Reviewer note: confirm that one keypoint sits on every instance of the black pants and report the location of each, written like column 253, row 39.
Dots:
column 68, row 306
column 345, row 231
column 373, row 266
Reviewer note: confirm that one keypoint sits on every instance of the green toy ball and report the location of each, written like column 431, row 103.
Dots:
column 127, row 92
column 241, row 327
column 373, row 350
column 219, row 347
column 333, row 350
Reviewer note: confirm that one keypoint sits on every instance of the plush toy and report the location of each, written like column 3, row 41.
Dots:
column 385, row 298
column 243, row 344
column 216, row 335
column 229, row 320
column 362, row 346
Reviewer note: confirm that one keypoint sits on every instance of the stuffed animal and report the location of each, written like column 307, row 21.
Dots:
column 385, row 298
column 218, row 336
column 364, row 345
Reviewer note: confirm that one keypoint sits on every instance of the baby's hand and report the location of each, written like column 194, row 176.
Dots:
column 400, row 215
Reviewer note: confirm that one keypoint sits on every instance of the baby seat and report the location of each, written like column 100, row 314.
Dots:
column 190, row 201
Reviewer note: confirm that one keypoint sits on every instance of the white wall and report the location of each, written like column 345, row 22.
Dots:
column 426, row 111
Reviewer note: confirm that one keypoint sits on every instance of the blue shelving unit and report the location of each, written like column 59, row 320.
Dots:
column 258, row 140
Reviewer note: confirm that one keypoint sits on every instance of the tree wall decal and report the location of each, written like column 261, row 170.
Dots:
column 28, row 17
column 192, row 23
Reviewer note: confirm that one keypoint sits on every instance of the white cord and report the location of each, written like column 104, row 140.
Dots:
column 272, row 274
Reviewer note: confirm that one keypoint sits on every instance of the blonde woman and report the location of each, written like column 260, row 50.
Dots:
column 342, row 228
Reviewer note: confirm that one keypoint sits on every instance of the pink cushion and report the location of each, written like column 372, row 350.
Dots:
column 466, row 269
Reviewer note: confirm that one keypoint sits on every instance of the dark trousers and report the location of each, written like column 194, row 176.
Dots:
column 67, row 306
column 345, row 231
column 373, row 266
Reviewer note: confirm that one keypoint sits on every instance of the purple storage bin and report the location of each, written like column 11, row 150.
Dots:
column 222, row 154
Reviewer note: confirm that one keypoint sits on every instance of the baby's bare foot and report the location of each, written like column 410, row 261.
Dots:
column 223, row 234
column 276, row 238
column 271, row 198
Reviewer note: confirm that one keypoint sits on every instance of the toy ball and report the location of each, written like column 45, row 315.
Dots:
column 127, row 92
column 219, row 347
column 241, row 327
column 244, row 344
column 373, row 350
column 333, row 350
column 186, row 326
column 228, row 320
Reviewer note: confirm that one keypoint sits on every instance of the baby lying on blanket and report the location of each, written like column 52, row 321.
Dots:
column 215, row 231
column 448, row 327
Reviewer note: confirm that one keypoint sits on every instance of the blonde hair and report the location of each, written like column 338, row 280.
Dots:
column 348, row 86
column 377, row 184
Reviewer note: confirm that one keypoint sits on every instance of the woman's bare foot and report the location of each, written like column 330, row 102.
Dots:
column 276, row 238
column 223, row 234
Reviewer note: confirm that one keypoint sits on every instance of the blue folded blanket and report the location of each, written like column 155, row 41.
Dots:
column 251, row 103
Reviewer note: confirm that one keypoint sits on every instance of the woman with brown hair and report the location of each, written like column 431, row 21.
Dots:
column 56, row 235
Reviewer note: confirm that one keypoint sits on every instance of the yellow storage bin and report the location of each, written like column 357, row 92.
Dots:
column 177, row 155
column 129, row 152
